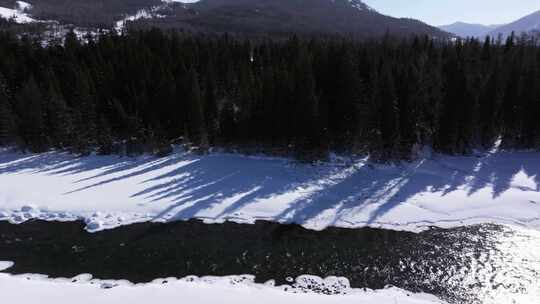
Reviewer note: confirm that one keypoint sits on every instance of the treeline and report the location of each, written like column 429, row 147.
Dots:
column 389, row 97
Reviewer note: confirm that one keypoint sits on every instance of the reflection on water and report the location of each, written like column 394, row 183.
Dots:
column 483, row 264
column 509, row 270
column 476, row 264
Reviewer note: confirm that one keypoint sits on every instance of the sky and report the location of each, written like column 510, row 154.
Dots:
column 441, row 12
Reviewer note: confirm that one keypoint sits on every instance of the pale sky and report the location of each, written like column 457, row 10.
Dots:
column 441, row 12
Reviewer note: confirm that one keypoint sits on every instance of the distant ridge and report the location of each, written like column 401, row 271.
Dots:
column 527, row 24
column 343, row 17
column 465, row 30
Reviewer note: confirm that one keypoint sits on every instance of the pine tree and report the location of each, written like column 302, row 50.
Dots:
column 84, row 115
column 104, row 140
column 29, row 100
column 228, row 122
column 510, row 109
column 6, row 114
column 490, row 99
column 5, row 120
column 265, row 111
column 408, row 90
column 196, row 124
column 211, row 109
column 308, row 134
column 71, row 42
column 386, row 139
column 347, row 103
column 449, row 134
column 529, row 99
column 59, row 124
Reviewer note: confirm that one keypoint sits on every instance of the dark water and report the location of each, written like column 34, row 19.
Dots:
column 477, row 264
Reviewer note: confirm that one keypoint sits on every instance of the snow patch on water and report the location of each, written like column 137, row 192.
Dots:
column 5, row 265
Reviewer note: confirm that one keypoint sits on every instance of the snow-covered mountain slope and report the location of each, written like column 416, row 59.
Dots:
column 209, row 290
column 17, row 14
column 111, row 191
column 526, row 24
column 82, row 13
column 465, row 30
column 247, row 17
column 275, row 17
column 359, row 5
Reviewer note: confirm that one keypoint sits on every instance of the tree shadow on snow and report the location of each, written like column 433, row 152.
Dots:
column 222, row 185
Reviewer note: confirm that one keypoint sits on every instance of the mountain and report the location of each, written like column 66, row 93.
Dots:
column 350, row 17
column 526, row 24
column 464, row 30
column 82, row 13
column 346, row 17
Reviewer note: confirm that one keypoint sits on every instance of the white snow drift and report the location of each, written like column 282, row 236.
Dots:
column 238, row 290
column 108, row 191
column 5, row 265
column 18, row 15
column 147, row 13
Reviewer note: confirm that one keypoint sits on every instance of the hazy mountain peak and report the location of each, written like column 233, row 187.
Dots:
column 526, row 24
column 464, row 29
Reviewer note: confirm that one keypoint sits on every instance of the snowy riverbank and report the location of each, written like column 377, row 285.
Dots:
column 108, row 191
column 239, row 289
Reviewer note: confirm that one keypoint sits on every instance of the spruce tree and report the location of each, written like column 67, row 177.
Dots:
column 228, row 122
column 30, row 100
column 196, row 124
column 510, row 109
column 386, row 139
column 308, row 134
column 449, row 135
column 347, row 104
column 211, row 109
column 529, row 99
column 490, row 99
column 59, row 124
column 84, row 115
column 6, row 114
column 105, row 139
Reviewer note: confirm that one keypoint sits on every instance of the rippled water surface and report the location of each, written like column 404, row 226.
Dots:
column 476, row 264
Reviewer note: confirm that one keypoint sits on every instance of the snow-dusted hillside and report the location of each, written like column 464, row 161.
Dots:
column 111, row 191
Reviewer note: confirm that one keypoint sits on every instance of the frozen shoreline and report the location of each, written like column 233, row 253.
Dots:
column 232, row 289
column 110, row 191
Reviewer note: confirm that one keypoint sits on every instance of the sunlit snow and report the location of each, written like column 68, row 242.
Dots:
column 109, row 191
column 17, row 15
column 237, row 289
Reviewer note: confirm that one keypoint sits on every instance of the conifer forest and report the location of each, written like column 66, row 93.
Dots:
column 388, row 97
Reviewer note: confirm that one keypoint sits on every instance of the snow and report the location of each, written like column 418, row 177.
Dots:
column 23, row 6
column 109, row 191
column 5, row 265
column 18, row 15
column 141, row 14
column 147, row 13
column 239, row 289
column 359, row 5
